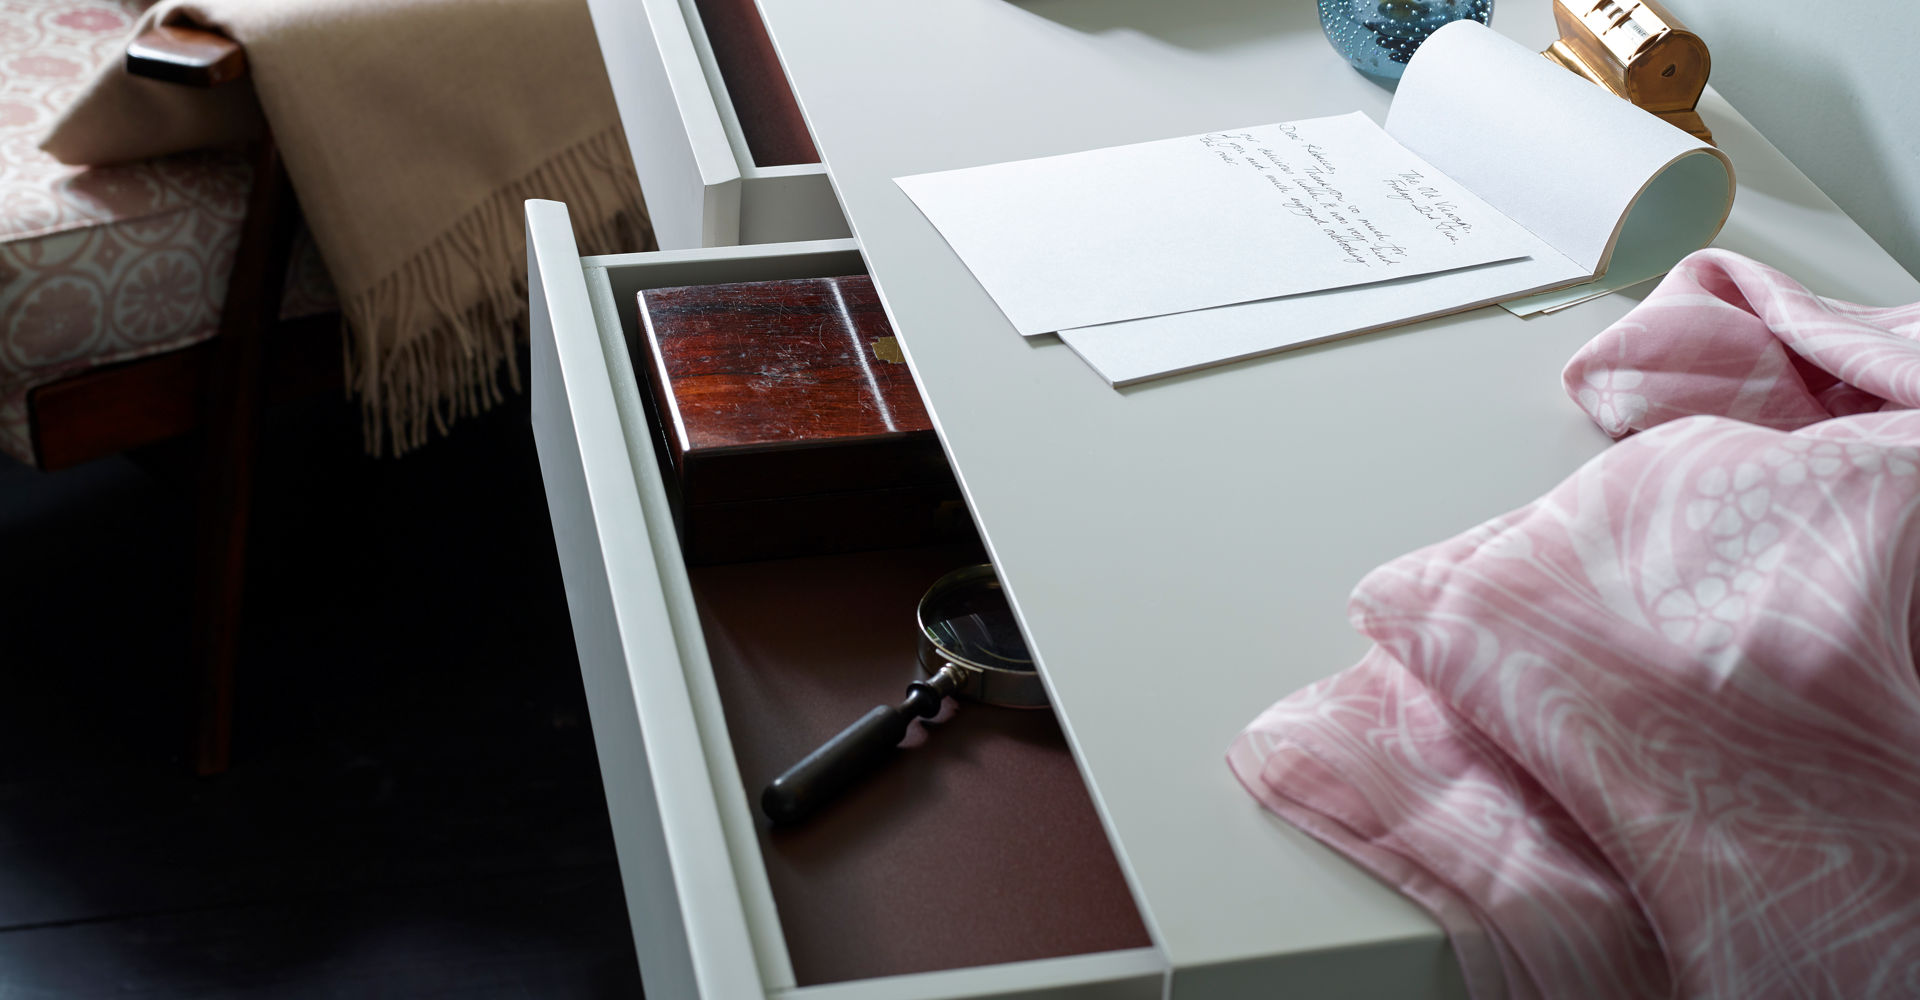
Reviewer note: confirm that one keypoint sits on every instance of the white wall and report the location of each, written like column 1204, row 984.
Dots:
column 1836, row 85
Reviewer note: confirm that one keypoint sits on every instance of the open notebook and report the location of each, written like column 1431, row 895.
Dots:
column 1498, row 174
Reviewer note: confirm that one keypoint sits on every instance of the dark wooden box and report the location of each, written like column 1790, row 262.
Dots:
column 791, row 422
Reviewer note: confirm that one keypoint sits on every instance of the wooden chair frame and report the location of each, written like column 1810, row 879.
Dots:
column 219, row 386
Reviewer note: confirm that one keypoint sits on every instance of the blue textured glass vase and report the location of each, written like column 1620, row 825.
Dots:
column 1379, row 36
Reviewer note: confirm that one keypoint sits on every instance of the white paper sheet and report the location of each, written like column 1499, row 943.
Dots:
column 1139, row 350
column 1164, row 257
column 1560, row 155
column 1671, row 217
column 1608, row 184
column 1182, row 224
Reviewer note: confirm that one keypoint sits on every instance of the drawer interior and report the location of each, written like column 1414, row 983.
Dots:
column 976, row 845
column 979, row 843
column 763, row 102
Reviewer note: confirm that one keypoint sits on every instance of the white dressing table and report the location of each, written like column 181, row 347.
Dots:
column 1179, row 553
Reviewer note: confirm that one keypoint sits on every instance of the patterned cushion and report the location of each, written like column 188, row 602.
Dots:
column 102, row 264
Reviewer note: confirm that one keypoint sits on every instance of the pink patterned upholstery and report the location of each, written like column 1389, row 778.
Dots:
column 102, row 264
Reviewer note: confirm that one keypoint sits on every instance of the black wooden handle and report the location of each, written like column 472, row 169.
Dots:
column 839, row 762
column 849, row 756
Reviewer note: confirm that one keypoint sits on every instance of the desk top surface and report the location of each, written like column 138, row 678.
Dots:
column 1180, row 553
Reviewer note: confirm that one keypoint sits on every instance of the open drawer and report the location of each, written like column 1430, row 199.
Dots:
column 659, row 647
column 713, row 175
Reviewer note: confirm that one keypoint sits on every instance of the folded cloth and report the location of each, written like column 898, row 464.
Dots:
column 1729, row 335
column 412, row 131
column 1657, row 733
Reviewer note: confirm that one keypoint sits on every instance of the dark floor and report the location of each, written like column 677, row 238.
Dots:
column 414, row 808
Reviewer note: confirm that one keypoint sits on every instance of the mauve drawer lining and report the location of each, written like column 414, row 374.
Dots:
column 979, row 845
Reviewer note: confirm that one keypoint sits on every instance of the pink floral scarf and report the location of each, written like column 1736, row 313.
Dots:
column 1657, row 733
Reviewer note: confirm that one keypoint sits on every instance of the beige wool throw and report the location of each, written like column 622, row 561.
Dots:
column 412, row 130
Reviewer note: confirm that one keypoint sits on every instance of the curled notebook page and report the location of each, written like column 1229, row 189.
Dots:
column 1604, row 183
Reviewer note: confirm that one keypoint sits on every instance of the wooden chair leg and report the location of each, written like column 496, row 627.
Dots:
column 233, row 405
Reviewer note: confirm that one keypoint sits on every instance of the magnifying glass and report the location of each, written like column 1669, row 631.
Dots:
column 970, row 647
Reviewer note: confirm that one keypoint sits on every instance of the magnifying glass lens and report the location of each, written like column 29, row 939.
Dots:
column 974, row 621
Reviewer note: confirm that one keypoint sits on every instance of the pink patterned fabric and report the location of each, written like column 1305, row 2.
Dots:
column 1657, row 734
column 1728, row 335
column 103, row 264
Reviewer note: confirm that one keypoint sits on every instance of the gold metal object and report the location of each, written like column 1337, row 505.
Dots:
column 888, row 349
column 1638, row 50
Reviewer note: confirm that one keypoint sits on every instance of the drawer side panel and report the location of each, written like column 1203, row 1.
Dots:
column 688, row 171
column 689, row 927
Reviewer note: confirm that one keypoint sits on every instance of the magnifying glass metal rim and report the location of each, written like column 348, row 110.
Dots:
column 977, row 681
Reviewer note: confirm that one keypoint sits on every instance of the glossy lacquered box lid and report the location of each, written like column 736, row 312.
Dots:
column 791, row 424
column 783, row 389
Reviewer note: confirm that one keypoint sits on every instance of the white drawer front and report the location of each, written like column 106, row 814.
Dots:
column 689, row 927
column 701, row 184
column 703, row 916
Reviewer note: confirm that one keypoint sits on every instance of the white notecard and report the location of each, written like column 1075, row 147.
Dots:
column 1182, row 224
